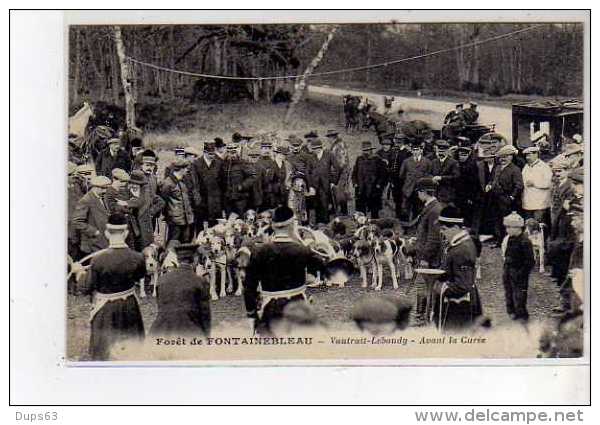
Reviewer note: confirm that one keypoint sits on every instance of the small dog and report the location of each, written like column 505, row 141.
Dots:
column 535, row 231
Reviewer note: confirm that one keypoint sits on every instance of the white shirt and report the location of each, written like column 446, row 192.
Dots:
column 538, row 196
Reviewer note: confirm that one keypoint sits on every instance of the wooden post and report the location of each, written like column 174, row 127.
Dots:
column 300, row 86
column 126, row 79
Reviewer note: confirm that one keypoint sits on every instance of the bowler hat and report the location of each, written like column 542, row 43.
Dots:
column 138, row 177
column 219, row 143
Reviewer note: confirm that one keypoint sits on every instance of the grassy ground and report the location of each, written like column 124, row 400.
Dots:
column 332, row 305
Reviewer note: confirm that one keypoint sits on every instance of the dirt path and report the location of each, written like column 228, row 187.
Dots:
column 429, row 110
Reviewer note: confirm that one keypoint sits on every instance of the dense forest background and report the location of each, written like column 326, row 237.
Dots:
column 546, row 61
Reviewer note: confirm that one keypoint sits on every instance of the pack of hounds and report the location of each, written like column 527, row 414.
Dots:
column 369, row 245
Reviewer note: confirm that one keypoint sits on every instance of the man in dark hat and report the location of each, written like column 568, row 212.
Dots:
column 91, row 215
column 325, row 176
column 427, row 246
column 183, row 298
column 149, row 165
column 400, row 153
column 386, row 153
column 414, row 168
column 272, row 181
column 111, row 158
column 283, row 170
column 208, row 170
column 445, row 171
column 220, row 150
column 257, row 192
column 238, row 177
column 300, row 161
column 454, row 122
column 341, row 191
column 179, row 213
column 458, row 282
column 468, row 191
column 116, row 316
column 368, row 178
column 280, row 268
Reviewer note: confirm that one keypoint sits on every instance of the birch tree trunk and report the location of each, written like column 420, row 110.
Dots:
column 300, row 86
column 76, row 67
column 125, row 79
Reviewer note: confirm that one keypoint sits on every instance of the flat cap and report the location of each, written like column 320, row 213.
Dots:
column 149, row 156
column 367, row 146
column 573, row 148
column 513, row 220
column 506, row 150
column 113, row 141
column 179, row 164
column 577, row 175
column 120, row 174
column 426, row 183
column 85, row 169
column 311, row 135
column 316, row 143
column 284, row 150
column 294, row 140
column 464, row 149
column 100, row 181
column 331, row 133
column 531, row 149
column 560, row 164
column 442, row 144
column 138, row 177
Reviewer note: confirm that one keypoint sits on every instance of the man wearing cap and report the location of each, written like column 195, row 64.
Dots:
column 190, row 179
column 400, row 153
column 299, row 160
column 506, row 188
column 368, row 178
column 427, row 247
column 111, row 158
column 118, row 190
column 179, row 213
column 537, row 182
column 484, row 221
column 208, row 170
column 239, row 178
column 91, row 215
column 142, row 207
column 445, row 171
column 113, row 274
column 279, row 267
column 468, row 191
column 386, row 153
column 412, row 170
column 257, row 193
column 149, row 165
column 283, row 170
column 460, row 260
column 183, row 298
column 325, row 175
column 341, row 191
column 272, row 180
column 574, row 154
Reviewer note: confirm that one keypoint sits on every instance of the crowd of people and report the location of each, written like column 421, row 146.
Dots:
column 453, row 195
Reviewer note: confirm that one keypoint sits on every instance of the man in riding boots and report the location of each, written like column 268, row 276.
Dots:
column 238, row 178
column 113, row 274
column 369, row 178
column 279, row 267
column 445, row 171
column 427, row 246
column 208, row 170
column 458, row 281
column 178, row 210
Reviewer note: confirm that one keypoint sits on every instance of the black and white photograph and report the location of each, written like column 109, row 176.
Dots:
column 320, row 191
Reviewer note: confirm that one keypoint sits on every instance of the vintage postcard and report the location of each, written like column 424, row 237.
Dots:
column 327, row 191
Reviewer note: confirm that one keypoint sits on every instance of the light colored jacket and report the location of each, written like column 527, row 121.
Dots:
column 538, row 196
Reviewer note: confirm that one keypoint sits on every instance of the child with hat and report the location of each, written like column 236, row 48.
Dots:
column 518, row 256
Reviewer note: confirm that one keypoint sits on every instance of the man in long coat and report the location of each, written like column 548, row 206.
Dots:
column 183, row 298
column 506, row 188
column 368, row 178
column 324, row 177
column 239, row 178
column 178, row 210
column 413, row 169
column 91, row 215
column 445, row 171
column 210, row 186
column 483, row 216
column 272, row 179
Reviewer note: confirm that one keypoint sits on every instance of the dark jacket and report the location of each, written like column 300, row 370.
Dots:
column 183, row 304
column 273, row 181
column 428, row 244
column 449, row 171
column 507, row 187
column 369, row 176
column 210, row 185
column 468, row 189
column 178, row 208
column 105, row 162
column 143, row 210
column 239, row 177
column 302, row 162
column 518, row 256
column 411, row 171
column 91, row 215
column 324, row 172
